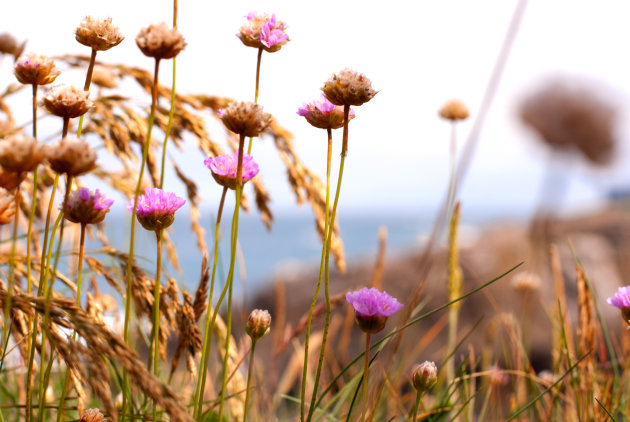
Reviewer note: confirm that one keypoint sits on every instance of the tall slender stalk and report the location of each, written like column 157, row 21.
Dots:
column 366, row 370
column 86, row 86
column 260, row 51
column 156, row 313
column 7, row 304
column 319, row 278
column 249, row 378
column 416, row 406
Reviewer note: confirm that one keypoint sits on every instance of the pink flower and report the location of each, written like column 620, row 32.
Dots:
column 224, row 169
column 323, row 114
column 372, row 308
column 621, row 300
column 156, row 208
column 263, row 31
column 86, row 207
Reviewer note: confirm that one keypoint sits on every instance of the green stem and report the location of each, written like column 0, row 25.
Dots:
column 319, row 279
column 171, row 113
column 344, row 150
column 230, row 277
column 7, row 304
column 260, row 51
column 86, row 86
column 156, row 314
column 415, row 407
column 128, row 295
column 207, row 337
column 249, row 378
column 366, row 370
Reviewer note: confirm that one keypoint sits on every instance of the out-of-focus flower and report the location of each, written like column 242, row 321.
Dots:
column 424, row 376
column 245, row 118
column 263, row 31
column 454, row 110
column 35, row 69
column 160, row 41
column 7, row 206
column 20, row 153
column 223, row 169
column 348, row 88
column 67, row 102
column 10, row 45
column 92, row 415
column 323, row 114
column 621, row 300
column 258, row 324
column 156, row 208
column 498, row 378
column 372, row 308
column 526, row 282
column 71, row 156
column 9, row 179
column 99, row 34
column 86, row 207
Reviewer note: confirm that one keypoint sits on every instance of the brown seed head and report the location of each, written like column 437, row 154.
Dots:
column 348, row 88
column 10, row 179
column 10, row 45
column 526, row 282
column 258, row 324
column 92, row 415
column 100, row 34
column 105, row 77
column 35, row 69
column 67, row 101
column 160, row 41
column 7, row 207
column 454, row 110
column 572, row 117
column 71, row 156
column 20, row 153
column 245, row 118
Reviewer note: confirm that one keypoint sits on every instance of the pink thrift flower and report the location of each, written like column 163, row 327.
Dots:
column 156, row 208
column 224, row 169
column 86, row 207
column 263, row 31
column 621, row 300
column 372, row 308
column 323, row 114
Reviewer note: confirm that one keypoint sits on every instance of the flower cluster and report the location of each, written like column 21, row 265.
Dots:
column 100, row 34
column 372, row 308
column 621, row 300
column 160, row 41
column 323, row 114
column 156, row 208
column 35, row 69
column 223, row 168
column 67, row 102
column 86, row 207
column 263, row 31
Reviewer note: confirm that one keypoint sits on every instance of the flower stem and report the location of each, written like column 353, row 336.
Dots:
column 86, row 86
column 249, row 378
column 64, row 130
column 156, row 314
column 331, row 227
column 416, row 406
column 145, row 152
column 7, row 305
column 207, row 337
column 319, row 279
column 366, row 369
column 260, row 51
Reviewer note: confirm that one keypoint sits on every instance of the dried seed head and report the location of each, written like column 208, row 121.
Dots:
column 348, row 88
column 454, row 110
column 9, row 45
column 258, row 324
column 100, row 34
column 263, row 31
column 92, row 415
column 7, row 207
column 71, row 156
column 20, row 153
column 160, row 41
column 105, row 77
column 526, row 282
column 245, row 118
column 67, row 101
column 424, row 376
column 35, row 69
column 572, row 117
column 10, row 179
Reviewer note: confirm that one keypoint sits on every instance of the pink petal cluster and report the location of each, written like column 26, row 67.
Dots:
column 373, row 302
column 323, row 114
column 272, row 32
column 86, row 207
column 224, row 167
column 156, row 208
column 621, row 299
column 263, row 31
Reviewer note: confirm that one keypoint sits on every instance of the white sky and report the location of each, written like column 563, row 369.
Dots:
column 417, row 54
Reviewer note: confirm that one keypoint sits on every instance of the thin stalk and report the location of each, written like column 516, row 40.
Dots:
column 156, row 314
column 86, row 86
column 145, row 152
column 7, row 304
column 319, row 279
column 331, row 227
column 207, row 337
column 415, row 407
column 260, row 51
column 366, row 370
column 249, row 378
column 64, row 130
column 230, row 277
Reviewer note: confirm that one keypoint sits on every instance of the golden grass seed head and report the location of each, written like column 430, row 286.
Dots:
column 99, row 34
column 348, row 87
column 160, row 41
column 105, row 77
column 67, row 102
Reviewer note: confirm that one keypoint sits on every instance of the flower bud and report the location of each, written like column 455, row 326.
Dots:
column 258, row 324
column 424, row 376
column 245, row 118
column 100, row 34
column 35, row 69
column 160, row 42
column 348, row 88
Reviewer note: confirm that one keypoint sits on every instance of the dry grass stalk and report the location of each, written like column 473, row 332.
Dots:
column 561, row 318
column 201, row 294
column 379, row 267
column 587, row 336
column 189, row 336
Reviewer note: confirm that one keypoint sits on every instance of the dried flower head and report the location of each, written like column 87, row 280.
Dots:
column 372, row 308
column 105, row 77
column 92, row 415
column 323, row 114
column 67, row 102
column 99, row 34
column 10, row 179
column 7, row 206
column 223, row 169
column 348, row 88
column 71, row 156
column 621, row 300
column 572, row 117
column 526, row 282
column 86, row 207
column 263, row 31
column 20, row 153
column 245, row 118
column 160, row 41
column 35, row 69
column 454, row 110
column 424, row 376
column 258, row 324
column 10, row 45
column 156, row 208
